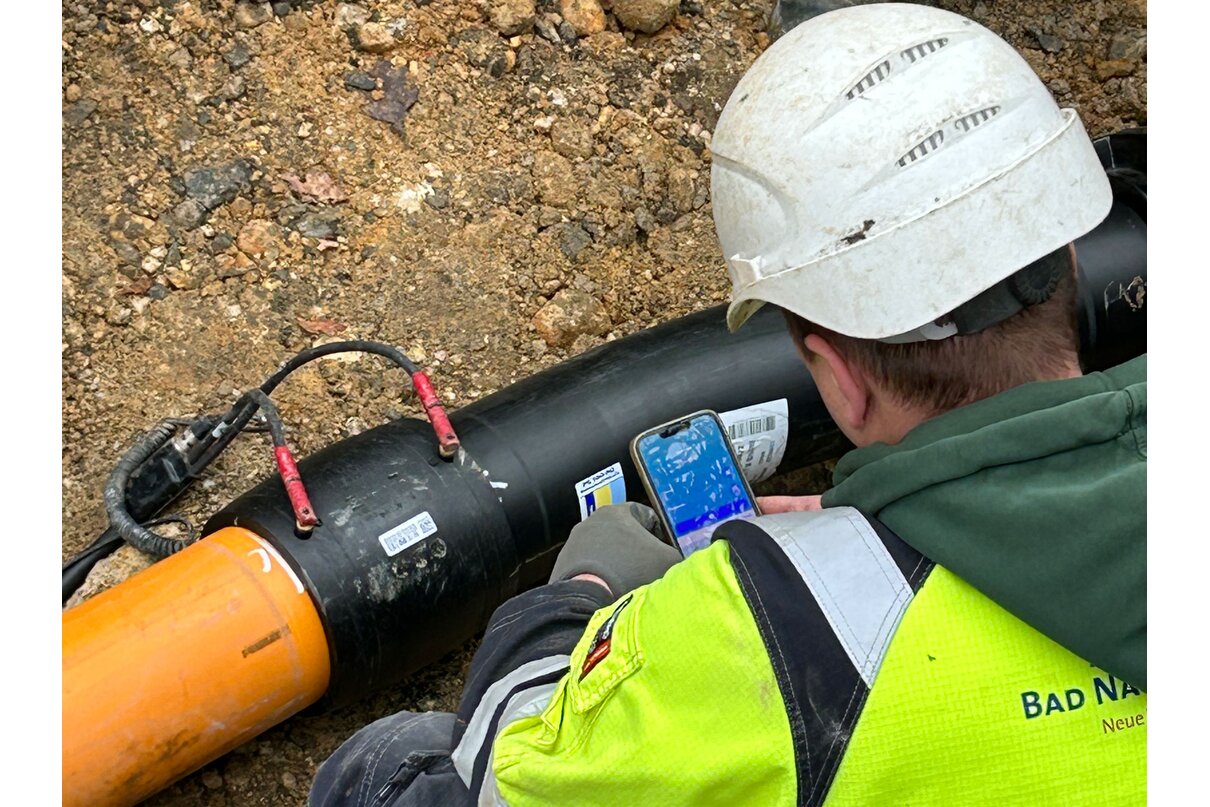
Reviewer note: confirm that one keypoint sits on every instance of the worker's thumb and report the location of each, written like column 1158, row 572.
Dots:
column 618, row 544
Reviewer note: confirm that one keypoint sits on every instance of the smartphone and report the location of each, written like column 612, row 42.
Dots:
column 693, row 478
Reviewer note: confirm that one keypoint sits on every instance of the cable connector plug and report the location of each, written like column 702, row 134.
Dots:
column 447, row 440
column 305, row 519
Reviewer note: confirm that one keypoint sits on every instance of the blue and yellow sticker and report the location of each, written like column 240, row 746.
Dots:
column 605, row 487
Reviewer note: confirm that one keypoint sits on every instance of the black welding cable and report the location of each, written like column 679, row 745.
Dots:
column 447, row 440
column 237, row 419
column 349, row 346
column 76, row 570
column 115, row 494
column 277, row 431
column 242, row 411
column 190, row 530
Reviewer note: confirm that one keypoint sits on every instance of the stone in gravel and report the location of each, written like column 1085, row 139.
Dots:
column 281, row 8
column 318, row 186
column 373, row 37
column 221, row 243
column 251, row 15
column 77, row 113
column 258, row 237
column 127, row 253
column 1128, row 45
column 512, row 17
column 317, row 224
column 572, row 239
column 644, row 220
column 1049, row 43
column 568, row 315
column 567, row 33
column 552, row 179
column 350, row 15
column 180, row 278
column 439, row 199
column 1114, row 68
column 360, row 81
column 237, row 55
column 119, row 316
column 158, row 291
column 483, row 49
column 182, row 58
column 72, row 93
column 189, row 213
column 647, row 16
column 543, row 27
column 288, row 780
column 212, row 780
column 232, row 89
column 212, row 186
column 571, row 139
column 140, row 285
column 680, row 188
column 397, row 95
column 585, row 16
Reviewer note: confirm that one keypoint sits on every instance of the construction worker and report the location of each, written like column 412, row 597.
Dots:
column 962, row 617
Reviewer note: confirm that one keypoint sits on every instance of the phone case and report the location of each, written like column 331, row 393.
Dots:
column 645, row 478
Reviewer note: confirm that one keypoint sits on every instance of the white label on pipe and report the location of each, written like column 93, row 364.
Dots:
column 607, row 486
column 759, row 433
column 415, row 529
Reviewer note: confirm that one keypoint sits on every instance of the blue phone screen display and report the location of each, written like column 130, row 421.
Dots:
column 696, row 481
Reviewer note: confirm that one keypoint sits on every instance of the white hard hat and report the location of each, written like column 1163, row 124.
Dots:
column 881, row 165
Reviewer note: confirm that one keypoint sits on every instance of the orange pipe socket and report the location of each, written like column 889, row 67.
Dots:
column 182, row 663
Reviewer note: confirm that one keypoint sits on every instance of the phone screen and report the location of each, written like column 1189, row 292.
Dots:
column 693, row 475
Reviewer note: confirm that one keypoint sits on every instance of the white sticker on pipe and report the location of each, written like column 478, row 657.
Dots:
column 759, row 434
column 606, row 486
column 415, row 529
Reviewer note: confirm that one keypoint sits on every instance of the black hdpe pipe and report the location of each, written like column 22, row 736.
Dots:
column 503, row 506
column 486, row 525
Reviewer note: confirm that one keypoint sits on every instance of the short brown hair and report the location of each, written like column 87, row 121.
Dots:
column 1036, row 342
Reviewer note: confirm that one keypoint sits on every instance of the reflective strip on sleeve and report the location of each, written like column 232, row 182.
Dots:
column 526, row 703
column 523, row 692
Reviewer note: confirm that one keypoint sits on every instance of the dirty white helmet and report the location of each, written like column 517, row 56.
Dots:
column 879, row 166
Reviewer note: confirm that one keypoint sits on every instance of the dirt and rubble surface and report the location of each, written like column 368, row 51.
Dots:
column 495, row 186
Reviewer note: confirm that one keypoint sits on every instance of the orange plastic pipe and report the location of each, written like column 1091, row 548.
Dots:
column 182, row 663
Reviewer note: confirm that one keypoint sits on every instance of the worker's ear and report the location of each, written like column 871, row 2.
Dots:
column 844, row 388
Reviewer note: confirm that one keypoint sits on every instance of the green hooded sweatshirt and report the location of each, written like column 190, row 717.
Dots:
column 1038, row 498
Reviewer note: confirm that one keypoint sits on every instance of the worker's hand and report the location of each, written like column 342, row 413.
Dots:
column 618, row 544
column 787, row 504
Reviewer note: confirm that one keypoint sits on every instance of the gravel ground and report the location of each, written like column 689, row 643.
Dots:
column 242, row 180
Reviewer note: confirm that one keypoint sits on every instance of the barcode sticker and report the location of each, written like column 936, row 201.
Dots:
column 415, row 529
column 751, row 426
column 759, row 433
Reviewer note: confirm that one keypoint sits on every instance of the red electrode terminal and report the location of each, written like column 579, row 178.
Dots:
column 447, row 441
column 304, row 514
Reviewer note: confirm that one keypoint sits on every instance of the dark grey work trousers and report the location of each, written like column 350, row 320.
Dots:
column 367, row 769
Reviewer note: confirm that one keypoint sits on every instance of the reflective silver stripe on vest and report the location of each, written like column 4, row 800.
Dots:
column 524, row 704
column 508, row 699
column 852, row 576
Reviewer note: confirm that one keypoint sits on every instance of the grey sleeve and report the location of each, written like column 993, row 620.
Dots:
column 541, row 623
